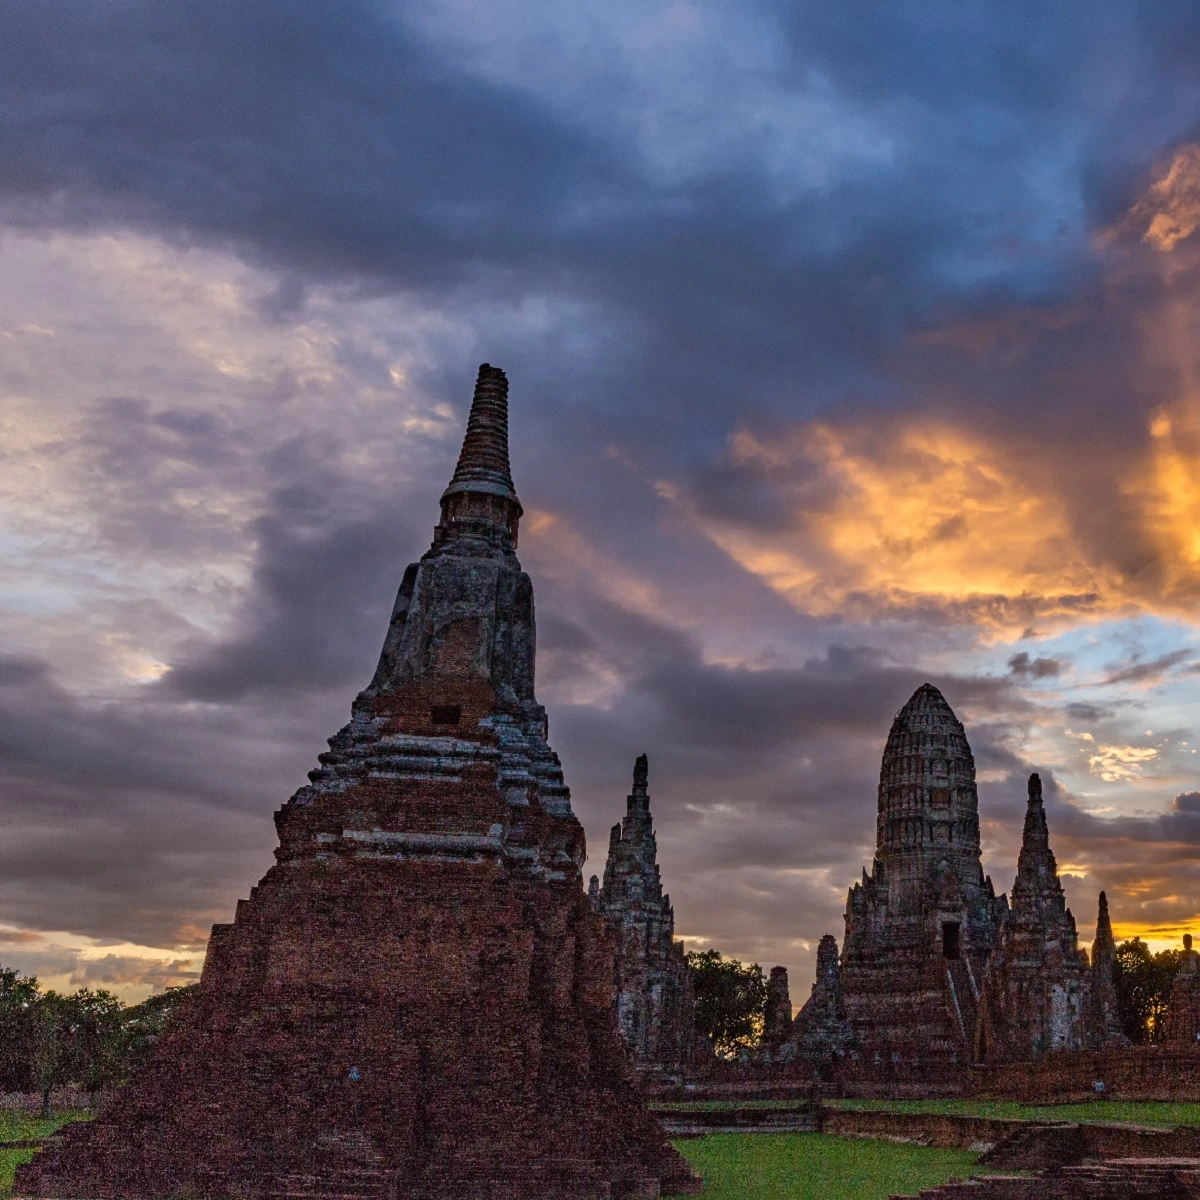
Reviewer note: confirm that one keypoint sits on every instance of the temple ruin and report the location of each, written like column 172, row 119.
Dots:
column 1104, row 1021
column 1036, row 993
column 922, row 925
column 1182, row 1025
column 416, row 1000
column 655, row 1007
column 821, row 1034
column 777, row 1012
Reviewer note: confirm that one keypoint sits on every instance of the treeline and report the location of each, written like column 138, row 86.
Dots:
column 1143, row 981
column 731, row 996
column 89, row 1039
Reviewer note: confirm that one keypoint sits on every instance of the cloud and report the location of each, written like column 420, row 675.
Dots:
column 1150, row 672
column 846, row 353
column 1025, row 667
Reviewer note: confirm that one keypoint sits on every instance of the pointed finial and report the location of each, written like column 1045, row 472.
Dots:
column 480, row 499
column 483, row 461
column 1035, row 788
column 641, row 771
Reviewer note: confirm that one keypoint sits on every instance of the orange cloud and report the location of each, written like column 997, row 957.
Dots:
column 920, row 512
column 1169, row 212
column 906, row 516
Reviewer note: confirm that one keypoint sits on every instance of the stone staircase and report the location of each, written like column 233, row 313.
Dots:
column 963, row 1000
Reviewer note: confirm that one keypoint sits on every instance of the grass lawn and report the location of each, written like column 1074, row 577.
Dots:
column 813, row 1166
column 1135, row 1112
column 19, row 1126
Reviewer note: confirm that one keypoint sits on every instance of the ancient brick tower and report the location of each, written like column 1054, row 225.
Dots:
column 416, row 1000
column 777, row 1013
column 1036, row 993
column 1104, row 1019
column 655, row 1008
column 1182, row 1025
column 920, row 927
column 821, row 1034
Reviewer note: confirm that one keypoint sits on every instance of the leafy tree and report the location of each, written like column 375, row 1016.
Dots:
column 18, row 996
column 98, row 1045
column 730, row 1000
column 90, row 1037
column 1143, row 985
column 53, row 1047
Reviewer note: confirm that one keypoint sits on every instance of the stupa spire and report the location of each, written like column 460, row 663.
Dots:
column 1037, row 869
column 639, row 798
column 483, row 461
column 1104, row 933
column 480, row 502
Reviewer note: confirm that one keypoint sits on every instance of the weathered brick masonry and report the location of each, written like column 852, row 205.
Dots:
column 416, row 1001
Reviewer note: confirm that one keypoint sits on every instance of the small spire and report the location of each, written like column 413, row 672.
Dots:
column 1035, row 788
column 1103, row 923
column 638, row 798
column 483, row 462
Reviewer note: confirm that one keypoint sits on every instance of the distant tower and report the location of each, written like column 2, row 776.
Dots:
column 921, row 925
column 777, row 1018
column 655, row 1006
column 1104, row 1022
column 821, row 1034
column 1036, row 993
column 1182, row 1025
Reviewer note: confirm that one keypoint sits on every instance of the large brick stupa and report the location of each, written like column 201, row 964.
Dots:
column 921, row 927
column 416, row 1001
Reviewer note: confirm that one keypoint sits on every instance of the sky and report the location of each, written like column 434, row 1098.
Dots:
column 850, row 346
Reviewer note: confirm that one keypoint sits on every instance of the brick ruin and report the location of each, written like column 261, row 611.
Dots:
column 821, row 1033
column 777, row 1013
column 416, row 1000
column 937, row 972
column 1104, row 1020
column 1183, row 1009
column 922, row 925
column 1036, row 994
column 655, row 1006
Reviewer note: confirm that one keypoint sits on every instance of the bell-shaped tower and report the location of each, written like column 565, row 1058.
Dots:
column 921, row 926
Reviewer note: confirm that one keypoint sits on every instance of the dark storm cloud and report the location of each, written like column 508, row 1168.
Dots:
column 333, row 142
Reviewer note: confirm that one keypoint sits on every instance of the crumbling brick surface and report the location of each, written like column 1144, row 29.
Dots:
column 416, row 1001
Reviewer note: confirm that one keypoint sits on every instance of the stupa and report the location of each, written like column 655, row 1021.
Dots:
column 416, row 1001
column 921, row 926
column 655, row 1004
column 1037, row 989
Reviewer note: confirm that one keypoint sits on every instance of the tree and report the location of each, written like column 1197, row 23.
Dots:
column 97, row 1058
column 1143, row 984
column 18, row 996
column 52, row 1045
column 730, row 999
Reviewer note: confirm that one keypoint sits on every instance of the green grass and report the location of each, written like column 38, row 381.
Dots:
column 19, row 1126
column 1147, row 1112
column 813, row 1166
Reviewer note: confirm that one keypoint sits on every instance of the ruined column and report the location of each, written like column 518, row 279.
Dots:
column 777, row 1018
